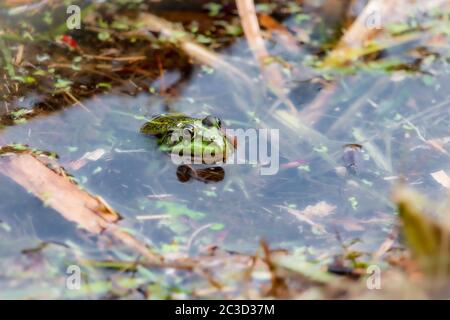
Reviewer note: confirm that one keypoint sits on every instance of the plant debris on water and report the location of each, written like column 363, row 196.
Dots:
column 361, row 105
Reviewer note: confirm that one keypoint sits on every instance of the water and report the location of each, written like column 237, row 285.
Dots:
column 394, row 115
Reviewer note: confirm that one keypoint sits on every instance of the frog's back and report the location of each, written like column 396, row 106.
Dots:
column 163, row 123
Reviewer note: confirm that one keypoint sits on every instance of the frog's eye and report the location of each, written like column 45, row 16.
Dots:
column 188, row 132
column 211, row 121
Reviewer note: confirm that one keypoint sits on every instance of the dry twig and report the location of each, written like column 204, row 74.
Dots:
column 271, row 72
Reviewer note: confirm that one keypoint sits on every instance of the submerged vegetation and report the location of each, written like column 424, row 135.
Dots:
column 357, row 209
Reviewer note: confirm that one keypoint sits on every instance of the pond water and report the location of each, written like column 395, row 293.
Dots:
column 400, row 118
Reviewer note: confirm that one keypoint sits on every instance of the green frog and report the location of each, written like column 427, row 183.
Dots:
column 196, row 140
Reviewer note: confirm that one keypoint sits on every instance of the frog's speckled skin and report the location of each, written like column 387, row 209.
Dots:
column 163, row 123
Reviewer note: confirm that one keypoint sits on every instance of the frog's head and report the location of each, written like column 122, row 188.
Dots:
column 200, row 140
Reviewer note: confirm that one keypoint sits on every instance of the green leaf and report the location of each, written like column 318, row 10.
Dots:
column 203, row 39
column 214, row 8
column 217, row 226
column 19, row 147
column 103, row 36
column 62, row 84
column 104, row 85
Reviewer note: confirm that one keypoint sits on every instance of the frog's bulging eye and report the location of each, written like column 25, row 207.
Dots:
column 188, row 132
column 211, row 121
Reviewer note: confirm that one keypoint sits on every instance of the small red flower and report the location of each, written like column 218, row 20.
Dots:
column 68, row 40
